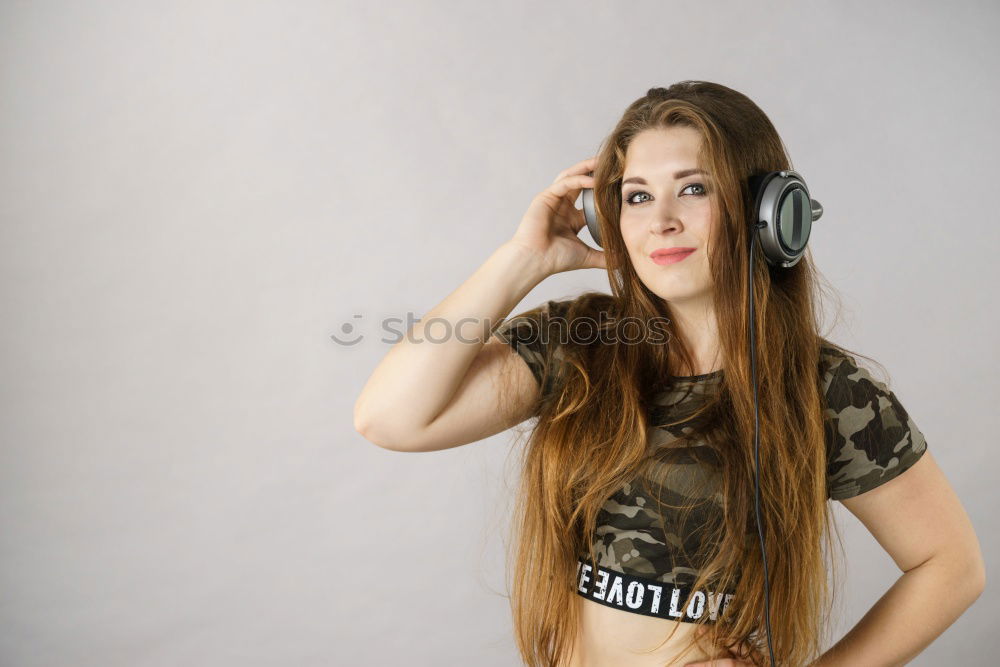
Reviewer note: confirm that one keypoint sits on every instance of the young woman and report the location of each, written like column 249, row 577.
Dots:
column 636, row 537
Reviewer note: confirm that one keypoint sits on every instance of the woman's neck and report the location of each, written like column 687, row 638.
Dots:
column 697, row 328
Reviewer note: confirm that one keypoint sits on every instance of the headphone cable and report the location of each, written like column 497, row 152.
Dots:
column 756, row 437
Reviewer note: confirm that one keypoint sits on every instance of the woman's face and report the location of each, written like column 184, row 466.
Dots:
column 669, row 209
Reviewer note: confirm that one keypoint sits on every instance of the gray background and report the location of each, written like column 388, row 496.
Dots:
column 196, row 195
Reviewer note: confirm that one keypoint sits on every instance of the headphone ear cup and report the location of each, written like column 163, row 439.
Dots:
column 781, row 215
column 590, row 213
column 756, row 189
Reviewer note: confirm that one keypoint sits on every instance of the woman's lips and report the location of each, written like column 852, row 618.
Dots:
column 671, row 258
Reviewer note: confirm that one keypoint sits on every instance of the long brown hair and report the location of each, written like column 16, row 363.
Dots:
column 590, row 436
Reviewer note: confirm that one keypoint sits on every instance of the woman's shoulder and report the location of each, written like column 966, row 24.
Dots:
column 584, row 304
column 841, row 370
column 542, row 334
column 871, row 438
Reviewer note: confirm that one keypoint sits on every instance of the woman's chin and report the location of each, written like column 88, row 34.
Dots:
column 678, row 296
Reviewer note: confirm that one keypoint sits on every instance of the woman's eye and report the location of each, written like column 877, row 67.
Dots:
column 701, row 193
column 628, row 198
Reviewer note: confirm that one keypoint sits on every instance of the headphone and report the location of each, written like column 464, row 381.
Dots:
column 783, row 215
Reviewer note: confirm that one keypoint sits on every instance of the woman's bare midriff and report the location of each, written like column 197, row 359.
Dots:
column 611, row 637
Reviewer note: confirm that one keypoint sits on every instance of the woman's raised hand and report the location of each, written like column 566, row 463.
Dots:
column 551, row 224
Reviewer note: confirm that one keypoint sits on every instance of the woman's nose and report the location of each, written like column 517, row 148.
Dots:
column 664, row 221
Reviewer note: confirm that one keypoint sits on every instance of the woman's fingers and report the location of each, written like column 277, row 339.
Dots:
column 581, row 167
column 595, row 259
column 718, row 662
column 556, row 193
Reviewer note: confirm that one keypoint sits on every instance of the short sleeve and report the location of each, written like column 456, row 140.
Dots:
column 539, row 336
column 870, row 438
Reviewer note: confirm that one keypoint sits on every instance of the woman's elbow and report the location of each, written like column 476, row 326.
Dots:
column 373, row 430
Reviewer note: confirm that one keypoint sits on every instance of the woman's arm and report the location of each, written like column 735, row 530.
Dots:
column 920, row 522
column 423, row 396
column 418, row 377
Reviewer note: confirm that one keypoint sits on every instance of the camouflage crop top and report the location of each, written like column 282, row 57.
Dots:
column 870, row 440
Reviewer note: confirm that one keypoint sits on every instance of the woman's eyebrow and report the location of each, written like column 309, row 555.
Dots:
column 677, row 175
